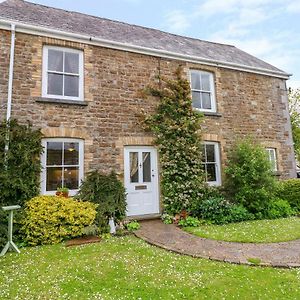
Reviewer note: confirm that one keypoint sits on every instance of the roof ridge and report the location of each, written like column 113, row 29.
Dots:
column 120, row 22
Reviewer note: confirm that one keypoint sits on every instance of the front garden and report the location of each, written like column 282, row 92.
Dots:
column 128, row 268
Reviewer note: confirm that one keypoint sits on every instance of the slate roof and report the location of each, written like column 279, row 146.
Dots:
column 91, row 26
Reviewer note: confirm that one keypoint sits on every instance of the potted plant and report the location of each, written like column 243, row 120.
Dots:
column 62, row 192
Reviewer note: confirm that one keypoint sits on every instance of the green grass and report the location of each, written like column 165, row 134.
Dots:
column 260, row 231
column 128, row 268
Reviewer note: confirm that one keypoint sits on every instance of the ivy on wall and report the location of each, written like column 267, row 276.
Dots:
column 176, row 127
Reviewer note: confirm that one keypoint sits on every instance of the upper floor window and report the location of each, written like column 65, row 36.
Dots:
column 62, row 73
column 272, row 158
column 211, row 163
column 203, row 94
column 62, row 164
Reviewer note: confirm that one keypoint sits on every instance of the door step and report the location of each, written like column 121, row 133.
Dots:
column 144, row 217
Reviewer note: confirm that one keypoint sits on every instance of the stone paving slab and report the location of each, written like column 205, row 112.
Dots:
column 172, row 238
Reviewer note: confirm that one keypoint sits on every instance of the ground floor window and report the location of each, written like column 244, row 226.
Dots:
column 272, row 158
column 211, row 163
column 62, row 164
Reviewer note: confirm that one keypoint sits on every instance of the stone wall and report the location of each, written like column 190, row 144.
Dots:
column 248, row 104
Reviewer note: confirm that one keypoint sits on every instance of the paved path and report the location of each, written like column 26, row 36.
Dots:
column 170, row 237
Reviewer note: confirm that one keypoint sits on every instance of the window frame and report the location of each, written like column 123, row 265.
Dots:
column 274, row 150
column 44, row 161
column 212, row 91
column 218, row 181
column 45, row 73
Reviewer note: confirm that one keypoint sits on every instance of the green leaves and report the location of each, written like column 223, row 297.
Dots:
column 249, row 179
column 176, row 127
column 19, row 179
column 51, row 219
column 108, row 192
column 294, row 109
column 20, row 173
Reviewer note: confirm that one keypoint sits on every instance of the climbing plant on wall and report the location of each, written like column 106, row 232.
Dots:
column 176, row 127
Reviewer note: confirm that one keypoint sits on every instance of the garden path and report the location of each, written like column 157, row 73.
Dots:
column 172, row 238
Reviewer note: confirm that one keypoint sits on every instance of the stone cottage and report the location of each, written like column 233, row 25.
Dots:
column 78, row 77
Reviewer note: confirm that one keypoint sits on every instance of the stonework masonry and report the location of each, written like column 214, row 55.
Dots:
column 247, row 104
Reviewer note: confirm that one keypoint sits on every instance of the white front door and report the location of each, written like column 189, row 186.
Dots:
column 141, row 180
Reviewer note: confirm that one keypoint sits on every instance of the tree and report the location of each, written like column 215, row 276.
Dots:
column 176, row 127
column 294, row 110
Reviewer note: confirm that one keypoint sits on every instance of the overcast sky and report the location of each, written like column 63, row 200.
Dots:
column 268, row 29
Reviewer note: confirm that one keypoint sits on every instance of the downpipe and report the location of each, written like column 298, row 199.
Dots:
column 9, row 92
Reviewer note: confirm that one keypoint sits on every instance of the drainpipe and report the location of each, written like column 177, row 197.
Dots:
column 10, row 86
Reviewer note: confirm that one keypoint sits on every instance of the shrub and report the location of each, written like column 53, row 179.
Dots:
column 289, row 190
column 215, row 210
column 194, row 207
column 3, row 228
column 279, row 208
column 239, row 213
column 51, row 219
column 220, row 211
column 167, row 219
column 19, row 170
column 133, row 225
column 249, row 179
column 106, row 191
column 189, row 222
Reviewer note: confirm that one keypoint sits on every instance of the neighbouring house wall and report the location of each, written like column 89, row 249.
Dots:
column 247, row 104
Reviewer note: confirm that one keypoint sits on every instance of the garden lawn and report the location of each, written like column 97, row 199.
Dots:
column 260, row 231
column 128, row 268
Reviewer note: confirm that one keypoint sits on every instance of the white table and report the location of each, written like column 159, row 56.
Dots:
column 10, row 244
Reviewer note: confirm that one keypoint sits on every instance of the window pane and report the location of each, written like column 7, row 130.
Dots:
column 210, row 153
column 146, row 167
column 206, row 101
column 54, row 179
column 272, row 154
column 211, row 172
column 273, row 165
column 205, row 82
column 71, row 153
column 196, row 97
column 55, row 60
column 55, row 84
column 71, row 63
column 71, row 178
column 54, row 153
column 71, row 86
column 134, row 166
column 195, row 80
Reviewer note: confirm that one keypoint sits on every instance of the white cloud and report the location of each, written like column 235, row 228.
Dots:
column 245, row 25
column 177, row 21
column 213, row 7
column 293, row 7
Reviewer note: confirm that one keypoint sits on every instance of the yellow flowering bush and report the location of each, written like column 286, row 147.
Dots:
column 51, row 219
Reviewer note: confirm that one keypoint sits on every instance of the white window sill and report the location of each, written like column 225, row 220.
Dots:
column 61, row 101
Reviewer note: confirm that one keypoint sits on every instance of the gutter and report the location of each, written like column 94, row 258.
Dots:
column 79, row 38
column 10, row 88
